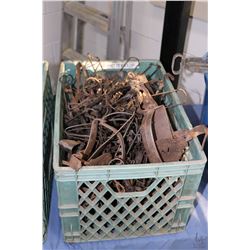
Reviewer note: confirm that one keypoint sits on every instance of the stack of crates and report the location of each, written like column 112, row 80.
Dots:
column 164, row 207
column 48, row 123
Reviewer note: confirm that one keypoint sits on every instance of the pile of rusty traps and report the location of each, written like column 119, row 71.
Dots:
column 113, row 118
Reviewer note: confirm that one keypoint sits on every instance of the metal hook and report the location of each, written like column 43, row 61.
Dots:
column 169, row 76
column 98, row 60
column 129, row 59
column 158, row 68
column 149, row 67
column 204, row 139
column 171, row 91
column 91, row 58
column 177, row 104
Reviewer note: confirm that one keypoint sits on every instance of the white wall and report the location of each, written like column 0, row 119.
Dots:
column 146, row 34
column 94, row 41
column 52, row 24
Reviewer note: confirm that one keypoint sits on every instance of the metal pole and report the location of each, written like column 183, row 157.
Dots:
column 174, row 32
column 74, row 32
column 128, row 24
column 114, row 33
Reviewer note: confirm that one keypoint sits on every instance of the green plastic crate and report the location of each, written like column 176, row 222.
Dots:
column 48, row 126
column 163, row 208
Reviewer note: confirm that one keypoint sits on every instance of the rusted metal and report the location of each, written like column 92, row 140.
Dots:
column 162, row 125
column 171, row 149
column 120, row 188
column 93, row 60
column 170, row 92
column 101, row 160
column 169, row 76
column 128, row 60
column 120, row 118
column 73, row 131
column 74, row 161
column 188, row 135
column 148, row 137
column 92, row 139
column 68, row 145
column 116, row 161
column 160, row 142
column 115, row 133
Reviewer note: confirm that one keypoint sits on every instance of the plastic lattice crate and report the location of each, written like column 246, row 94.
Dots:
column 91, row 210
column 48, row 126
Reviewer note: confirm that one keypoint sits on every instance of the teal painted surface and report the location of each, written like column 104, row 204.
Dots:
column 67, row 191
column 89, row 226
column 48, row 126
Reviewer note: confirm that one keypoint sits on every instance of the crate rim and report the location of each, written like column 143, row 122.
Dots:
column 47, row 181
column 45, row 72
